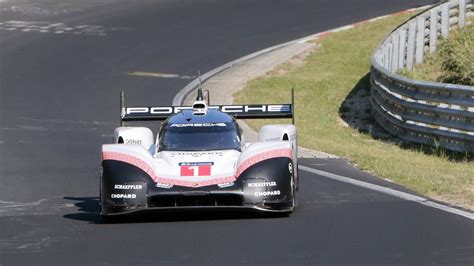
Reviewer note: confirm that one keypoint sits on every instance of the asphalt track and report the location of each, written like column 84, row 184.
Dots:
column 59, row 102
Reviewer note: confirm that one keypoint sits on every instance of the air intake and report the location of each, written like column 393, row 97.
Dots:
column 199, row 108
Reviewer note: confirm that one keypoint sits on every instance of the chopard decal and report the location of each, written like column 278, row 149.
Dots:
column 123, row 196
column 267, row 193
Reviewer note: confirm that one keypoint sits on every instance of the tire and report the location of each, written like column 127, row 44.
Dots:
column 294, row 190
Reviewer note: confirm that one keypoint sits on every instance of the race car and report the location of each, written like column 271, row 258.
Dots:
column 199, row 160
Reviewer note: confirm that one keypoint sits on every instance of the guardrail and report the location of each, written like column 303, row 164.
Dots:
column 429, row 113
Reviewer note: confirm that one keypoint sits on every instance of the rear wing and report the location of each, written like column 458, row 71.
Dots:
column 251, row 111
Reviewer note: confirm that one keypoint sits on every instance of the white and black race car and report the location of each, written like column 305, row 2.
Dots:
column 200, row 160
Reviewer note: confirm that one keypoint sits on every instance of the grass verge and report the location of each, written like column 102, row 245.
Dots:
column 333, row 115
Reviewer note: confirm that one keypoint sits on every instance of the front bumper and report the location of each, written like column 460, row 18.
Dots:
column 248, row 208
column 196, row 200
column 266, row 186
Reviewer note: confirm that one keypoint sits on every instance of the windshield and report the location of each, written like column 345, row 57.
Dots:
column 199, row 137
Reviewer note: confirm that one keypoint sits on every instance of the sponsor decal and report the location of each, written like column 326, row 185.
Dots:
column 160, row 110
column 225, row 185
column 195, row 168
column 119, row 186
column 292, row 136
column 168, row 110
column 197, row 154
column 199, row 125
column 273, row 139
column 123, row 196
column 163, row 185
column 133, row 141
column 262, row 184
column 267, row 193
column 290, row 168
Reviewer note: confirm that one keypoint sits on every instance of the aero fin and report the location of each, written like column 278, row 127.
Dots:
column 199, row 95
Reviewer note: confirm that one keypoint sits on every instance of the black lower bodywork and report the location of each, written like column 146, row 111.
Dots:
column 266, row 186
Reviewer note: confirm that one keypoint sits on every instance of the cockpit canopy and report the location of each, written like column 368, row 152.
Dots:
column 187, row 132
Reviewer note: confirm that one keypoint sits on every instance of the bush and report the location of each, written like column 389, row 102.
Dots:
column 452, row 63
column 456, row 55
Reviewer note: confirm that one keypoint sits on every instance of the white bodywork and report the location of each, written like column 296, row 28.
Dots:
column 282, row 132
column 133, row 135
column 166, row 167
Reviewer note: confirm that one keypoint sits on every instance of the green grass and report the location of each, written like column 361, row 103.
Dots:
column 326, row 85
column 453, row 62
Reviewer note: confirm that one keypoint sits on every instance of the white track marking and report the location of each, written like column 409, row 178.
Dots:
column 159, row 75
column 389, row 191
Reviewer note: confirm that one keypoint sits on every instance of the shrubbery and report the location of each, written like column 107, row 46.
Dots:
column 453, row 62
column 456, row 55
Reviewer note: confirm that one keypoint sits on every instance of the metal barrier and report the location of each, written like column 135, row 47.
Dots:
column 417, row 111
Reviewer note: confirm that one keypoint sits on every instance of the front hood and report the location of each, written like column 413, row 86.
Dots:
column 196, row 168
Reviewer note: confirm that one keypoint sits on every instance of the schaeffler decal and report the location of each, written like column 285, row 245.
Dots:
column 119, row 186
column 267, row 193
column 195, row 168
column 262, row 184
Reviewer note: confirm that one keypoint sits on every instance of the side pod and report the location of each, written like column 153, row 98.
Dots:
column 268, row 176
column 123, row 185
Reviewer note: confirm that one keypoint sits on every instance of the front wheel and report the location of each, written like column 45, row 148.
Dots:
column 294, row 189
